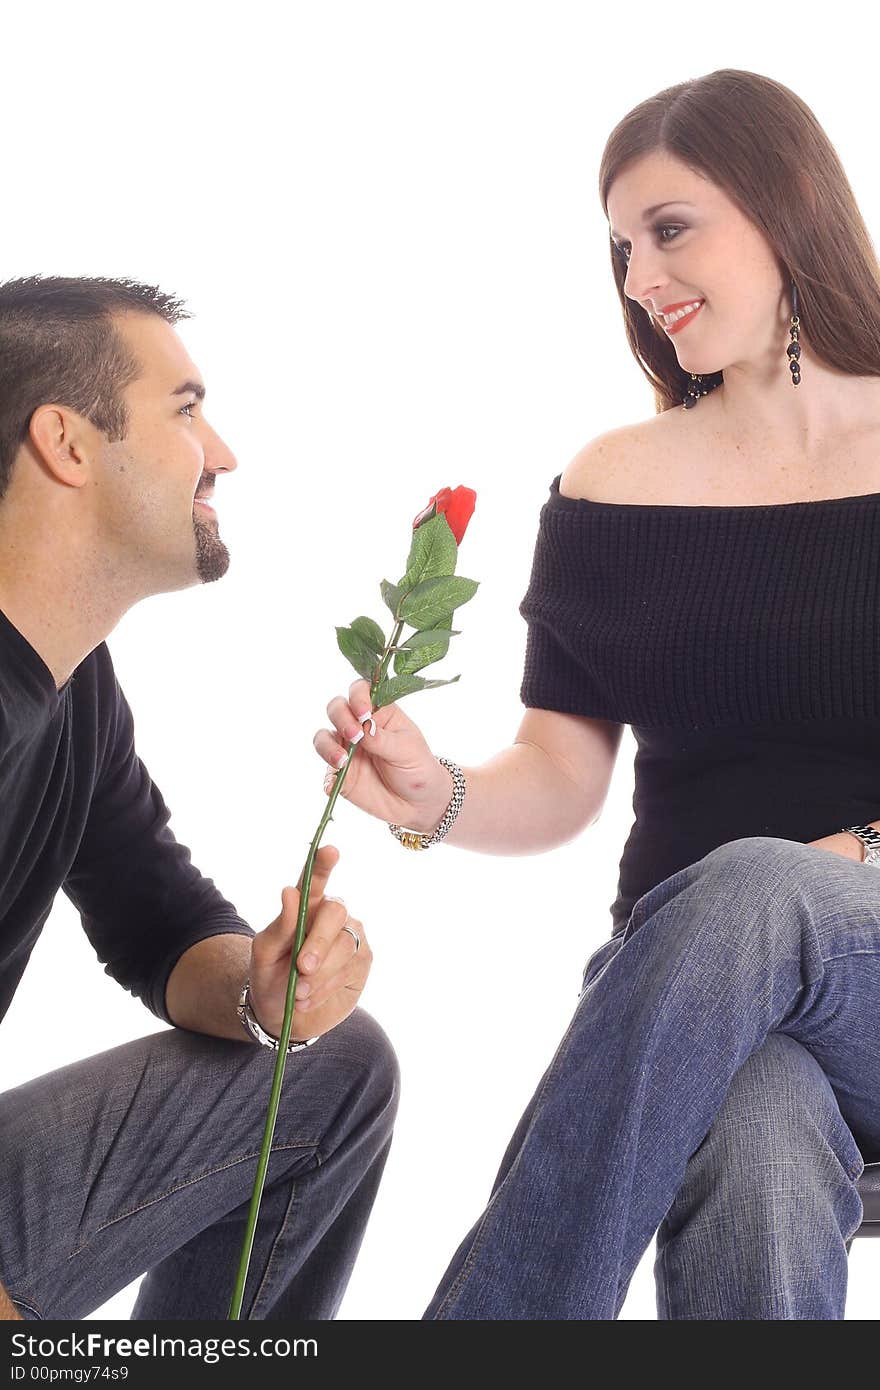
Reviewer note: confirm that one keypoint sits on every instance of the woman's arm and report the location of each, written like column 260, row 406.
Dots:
column 530, row 797
column 539, row 793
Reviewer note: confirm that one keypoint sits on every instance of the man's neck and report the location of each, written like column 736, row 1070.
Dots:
column 63, row 619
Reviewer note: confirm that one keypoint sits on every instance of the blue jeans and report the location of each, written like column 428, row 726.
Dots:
column 719, row 1085
column 144, row 1157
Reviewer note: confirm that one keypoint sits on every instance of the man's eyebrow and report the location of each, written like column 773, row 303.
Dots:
column 190, row 388
column 649, row 212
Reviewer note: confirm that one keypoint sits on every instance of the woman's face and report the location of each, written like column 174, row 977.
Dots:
column 699, row 246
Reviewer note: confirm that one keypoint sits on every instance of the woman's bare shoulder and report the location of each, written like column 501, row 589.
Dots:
column 613, row 464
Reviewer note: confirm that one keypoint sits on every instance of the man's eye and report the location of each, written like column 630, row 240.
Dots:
column 185, row 408
column 623, row 246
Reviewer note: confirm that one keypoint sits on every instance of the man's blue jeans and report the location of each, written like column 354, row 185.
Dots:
column 144, row 1157
column 719, row 1085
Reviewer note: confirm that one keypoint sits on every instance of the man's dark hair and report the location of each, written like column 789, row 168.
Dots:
column 58, row 343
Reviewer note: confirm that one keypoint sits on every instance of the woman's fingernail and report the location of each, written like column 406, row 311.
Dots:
column 356, row 738
column 303, row 991
column 341, row 759
column 310, row 961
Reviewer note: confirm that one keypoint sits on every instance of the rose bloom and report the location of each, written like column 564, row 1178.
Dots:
column 456, row 504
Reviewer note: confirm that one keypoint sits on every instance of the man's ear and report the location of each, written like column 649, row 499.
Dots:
column 60, row 438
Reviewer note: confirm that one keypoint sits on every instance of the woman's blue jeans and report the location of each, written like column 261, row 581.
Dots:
column 143, row 1158
column 718, row 1085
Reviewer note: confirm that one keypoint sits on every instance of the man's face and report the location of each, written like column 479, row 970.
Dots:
column 149, row 482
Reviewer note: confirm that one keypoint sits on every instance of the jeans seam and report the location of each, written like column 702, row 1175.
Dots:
column 188, row 1182
column 26, row 1303
column 863, row 951
column 281, row 1230
column 661, row 1282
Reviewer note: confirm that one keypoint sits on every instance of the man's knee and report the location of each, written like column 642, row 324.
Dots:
column 365, row 1045
column 355, row 1067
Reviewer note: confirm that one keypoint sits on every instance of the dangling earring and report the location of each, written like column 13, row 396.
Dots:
column 794, row 348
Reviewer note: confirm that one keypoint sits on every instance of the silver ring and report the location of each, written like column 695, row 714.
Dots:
column 353, row 934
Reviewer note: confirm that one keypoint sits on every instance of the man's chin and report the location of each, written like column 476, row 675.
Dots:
column 212, row 556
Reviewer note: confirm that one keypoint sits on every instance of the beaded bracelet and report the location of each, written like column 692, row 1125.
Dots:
column 414, row 839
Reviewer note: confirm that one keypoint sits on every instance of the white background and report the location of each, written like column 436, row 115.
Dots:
column 386, row 219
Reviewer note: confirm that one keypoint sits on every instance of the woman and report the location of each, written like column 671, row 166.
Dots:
column 709, row 576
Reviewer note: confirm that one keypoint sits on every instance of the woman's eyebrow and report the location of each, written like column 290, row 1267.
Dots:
column 649, row 212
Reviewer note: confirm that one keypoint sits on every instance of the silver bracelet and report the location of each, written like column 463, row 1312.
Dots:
column 870, row 838
column 415, row 839
column 252, row 1025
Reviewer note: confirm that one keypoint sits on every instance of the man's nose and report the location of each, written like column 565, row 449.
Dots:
column 219, row 458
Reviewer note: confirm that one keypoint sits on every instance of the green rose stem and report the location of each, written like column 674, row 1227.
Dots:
column 278, row 1077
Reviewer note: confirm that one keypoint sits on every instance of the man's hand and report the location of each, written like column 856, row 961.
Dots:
column 332, row 972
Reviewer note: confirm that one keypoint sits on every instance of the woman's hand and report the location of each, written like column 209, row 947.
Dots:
column 395, row 776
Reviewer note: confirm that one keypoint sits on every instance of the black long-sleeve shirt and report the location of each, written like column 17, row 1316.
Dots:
column 742, row 646
column 79, row 811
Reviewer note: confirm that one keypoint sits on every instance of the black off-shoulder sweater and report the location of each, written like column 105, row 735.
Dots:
column 742, row 646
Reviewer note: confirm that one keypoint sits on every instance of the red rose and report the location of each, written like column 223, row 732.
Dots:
column 456, row 504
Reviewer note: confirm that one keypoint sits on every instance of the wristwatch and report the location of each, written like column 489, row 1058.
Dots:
column 870, row 838
column 253, row 1026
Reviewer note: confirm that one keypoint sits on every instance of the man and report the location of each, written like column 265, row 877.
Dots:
column 144, row 1157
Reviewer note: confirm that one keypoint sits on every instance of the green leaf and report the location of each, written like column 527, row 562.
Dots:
column 425, row 647
column 355, row 650
column 426, row 636
column 370, row 633
column 391, row 595
column 395, row 687
column 433, row 599
column 433, row 553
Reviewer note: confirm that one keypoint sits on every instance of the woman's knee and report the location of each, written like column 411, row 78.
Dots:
column 733, row 883
column 761, row 870
column 779, row 1142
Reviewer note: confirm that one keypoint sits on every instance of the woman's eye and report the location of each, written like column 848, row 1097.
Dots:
column 623, row 247
column 185, row 408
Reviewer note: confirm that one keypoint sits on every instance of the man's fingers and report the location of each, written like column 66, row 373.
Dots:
column 333, row 949
column 349, row 974
column 277, row 939
column 324, row 933
column 325, row 862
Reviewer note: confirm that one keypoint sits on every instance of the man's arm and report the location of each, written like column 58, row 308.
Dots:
column 8, row 1310
column 204, row 986
column 141, row 900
